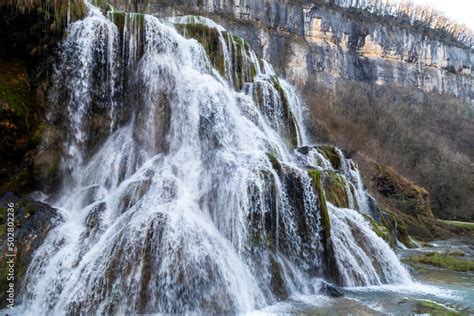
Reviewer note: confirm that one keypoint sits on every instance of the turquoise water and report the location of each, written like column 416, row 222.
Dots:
column 452, row 289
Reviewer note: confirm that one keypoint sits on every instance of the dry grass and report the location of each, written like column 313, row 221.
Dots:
column 429, row 140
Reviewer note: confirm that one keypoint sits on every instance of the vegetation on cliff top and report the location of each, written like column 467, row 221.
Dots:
column 407, row 13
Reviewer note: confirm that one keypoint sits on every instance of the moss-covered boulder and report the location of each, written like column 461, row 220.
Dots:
column 336, row 188
column 32, row 222
column 329, row 259
column 14, row 106
column 47, row 159
column 382, row 231
column 402, row 193
column 331, row 153
column 425, row 307
column 404, row 206
column 16, row 123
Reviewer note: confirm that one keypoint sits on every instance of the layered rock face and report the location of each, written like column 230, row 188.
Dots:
column 327, row 43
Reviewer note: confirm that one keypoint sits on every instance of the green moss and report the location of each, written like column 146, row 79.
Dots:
column 134, row 20
column 398, row 229
column 402, row 193
column 56, row 10
column 382, row 231
column 315, row 176
column 335, row 189
column 244, row 70
column 292, row 125
column 236, row 45
column 118, row 18
column 46, row 167
column 274, row 161
column 444, row 260
column 258, row 96
column 467, row 225
column 14, row 88
column 433, row 308
column 209, row 39
column 331, row 265
column 253, row 71
column 330, row 153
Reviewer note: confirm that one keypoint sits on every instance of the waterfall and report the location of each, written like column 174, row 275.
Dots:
column 186, row 187
column 362, row 258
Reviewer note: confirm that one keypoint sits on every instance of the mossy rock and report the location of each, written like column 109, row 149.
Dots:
column 210, row 39
column 335, row 188
column 118, row 18
column 135, row 20
column 46, row 167
column 58, row 13
column 14, row 106
column 46, row 159
column 402, row 193
column 331, row 154
column 16, row 124
column 330, row 261
column 446, row 260
column 275, row 162
column 433, row 308
column 381, row 231
column 33, row 220
column 244, row 70
column 291, row 129
column 14, row 88
column 315, row 176
column 397, row 228
column 277, row 280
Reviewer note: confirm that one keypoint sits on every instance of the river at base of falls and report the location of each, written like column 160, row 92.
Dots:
column 450, row 290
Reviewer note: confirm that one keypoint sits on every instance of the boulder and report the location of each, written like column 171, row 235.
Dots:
column 402, row 193
column 32, row 222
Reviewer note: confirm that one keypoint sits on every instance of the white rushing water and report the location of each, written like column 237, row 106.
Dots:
column 194, row 199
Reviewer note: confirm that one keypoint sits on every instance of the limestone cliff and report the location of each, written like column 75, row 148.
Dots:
column 327, row 43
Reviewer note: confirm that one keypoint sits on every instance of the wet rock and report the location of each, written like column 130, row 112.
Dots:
column 28, row 34
column 335, row 188
column 277, row 281
column 331, row 154
column 15, row 117
column 426, row 307
column 33, row 221
column 330, row 290
column 330, row 265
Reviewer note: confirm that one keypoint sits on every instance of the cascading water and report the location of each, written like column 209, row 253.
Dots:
column 191, row 192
